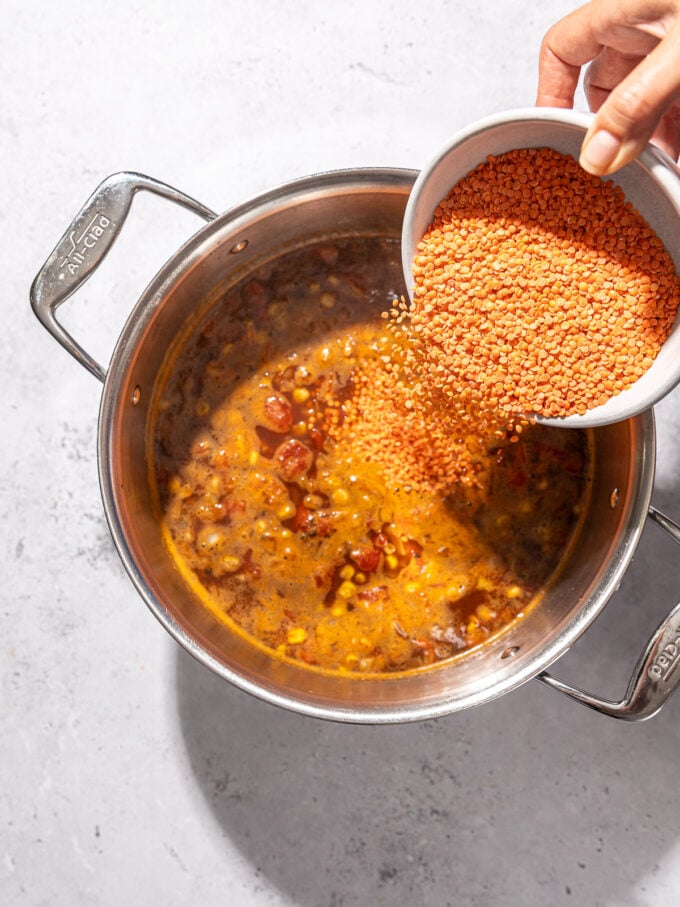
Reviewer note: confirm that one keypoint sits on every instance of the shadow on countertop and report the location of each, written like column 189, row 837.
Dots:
column 528, row 800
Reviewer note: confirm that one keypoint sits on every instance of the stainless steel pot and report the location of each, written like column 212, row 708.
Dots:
column 369, row 201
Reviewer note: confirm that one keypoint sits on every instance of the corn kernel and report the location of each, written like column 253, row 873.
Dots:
column 286, row 511
column 180, row 488
column 472, row 624
column 296, row 635
column 352, row 659
column 301, row 395
column 338, row 609
column 513, row 592
column 253, row 457
column 391, row 562
column 484, row 613
column 339, row 496
column 347, row 572
column 359, row 578
column 231, row 563
column 457, row 590
column 347, row 590
column 300, row 428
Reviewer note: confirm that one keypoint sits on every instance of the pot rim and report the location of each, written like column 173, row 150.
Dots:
column 187, row 257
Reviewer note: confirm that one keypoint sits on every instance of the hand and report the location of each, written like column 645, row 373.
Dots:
column 633, row 80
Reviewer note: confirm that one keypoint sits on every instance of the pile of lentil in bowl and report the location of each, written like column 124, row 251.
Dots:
column 539, row 290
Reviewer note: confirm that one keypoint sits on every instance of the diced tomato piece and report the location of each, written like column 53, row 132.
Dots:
column 323, row 577
column 311, row 522
column 374, row 594
column 278, row 413
column 234, row 505
column 307, row 655
column 413, row 548
column 316, row 438
column 323, row 523
column 366, row 557
column 300, row 522
column 294, row 460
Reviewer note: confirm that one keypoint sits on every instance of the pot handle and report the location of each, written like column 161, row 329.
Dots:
column 85, row 244
column 655, row 676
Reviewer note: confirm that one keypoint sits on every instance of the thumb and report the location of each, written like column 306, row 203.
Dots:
column 629, row 117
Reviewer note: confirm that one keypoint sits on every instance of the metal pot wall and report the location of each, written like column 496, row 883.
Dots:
column 370, row 202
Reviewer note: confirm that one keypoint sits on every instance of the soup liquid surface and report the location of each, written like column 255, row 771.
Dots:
column 290, row 532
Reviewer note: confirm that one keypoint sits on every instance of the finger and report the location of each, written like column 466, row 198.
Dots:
column 565, row 48
column 666, row 135
column 580, row 36
column 607, row 70
column 557, row 81
column 629, row 116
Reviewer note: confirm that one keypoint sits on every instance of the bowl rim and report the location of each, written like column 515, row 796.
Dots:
column 654, row 161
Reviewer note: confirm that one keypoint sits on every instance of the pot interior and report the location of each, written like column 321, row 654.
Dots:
column 351, row 203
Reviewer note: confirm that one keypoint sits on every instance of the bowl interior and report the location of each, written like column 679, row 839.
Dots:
column 651, row 183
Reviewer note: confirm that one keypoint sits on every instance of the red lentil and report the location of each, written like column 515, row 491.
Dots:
column 539, row 289
column 421, row 445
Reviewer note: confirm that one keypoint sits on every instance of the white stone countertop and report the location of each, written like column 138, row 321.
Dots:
column 129, row 773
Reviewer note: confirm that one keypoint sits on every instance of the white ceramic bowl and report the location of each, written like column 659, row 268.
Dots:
column 651, row 183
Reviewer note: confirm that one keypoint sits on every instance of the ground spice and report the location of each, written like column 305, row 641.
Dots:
column 539, row 290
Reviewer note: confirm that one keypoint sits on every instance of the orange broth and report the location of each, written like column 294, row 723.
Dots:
column 287, row 525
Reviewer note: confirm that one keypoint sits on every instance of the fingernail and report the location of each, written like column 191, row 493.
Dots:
column 599, row 152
